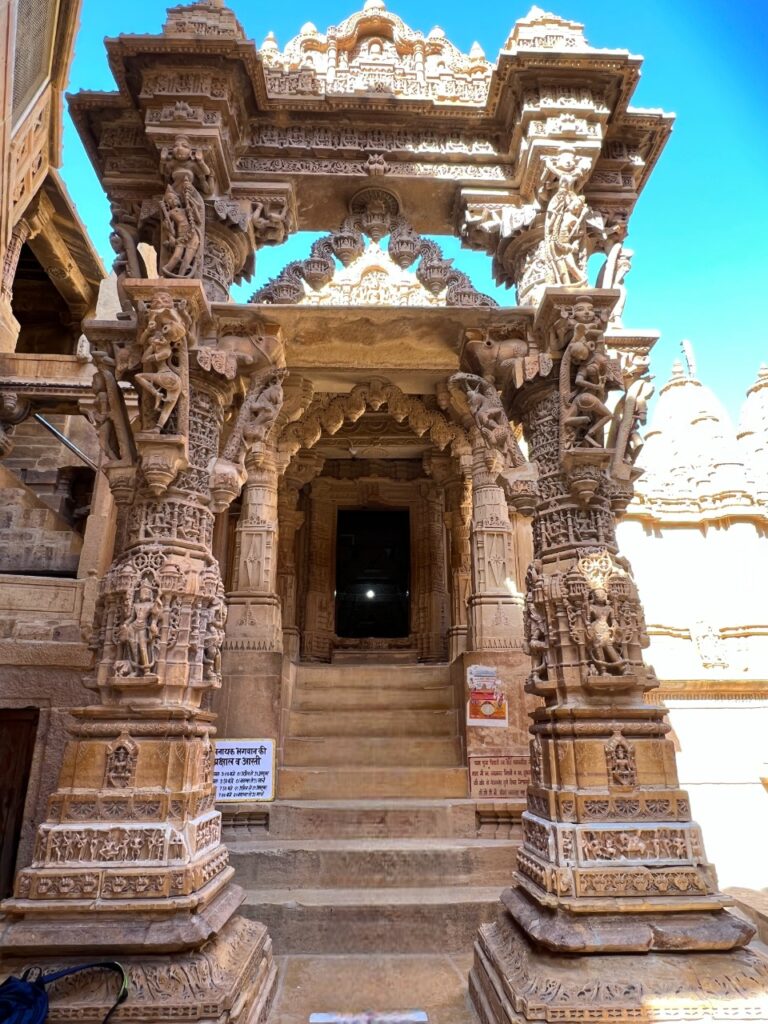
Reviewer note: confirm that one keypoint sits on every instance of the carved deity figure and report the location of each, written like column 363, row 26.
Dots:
column 603, row 636
column 100, row 416
column 161, row 379
column 258, row 413
column 121, row 764
column 617, row 265
column 270, row 222
column 109, row 415
column 620, row 760
column 212, row 641
column 565, row 220
column 184, row 221
column 585, row 376
column 630, row 416
column 183, row 161
column 124, row 240
column 485, row 408
column 138, row 634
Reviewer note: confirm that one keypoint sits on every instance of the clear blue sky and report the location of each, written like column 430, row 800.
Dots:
column 701, row 227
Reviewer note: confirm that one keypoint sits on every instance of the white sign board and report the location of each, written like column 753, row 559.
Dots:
column 244, row 770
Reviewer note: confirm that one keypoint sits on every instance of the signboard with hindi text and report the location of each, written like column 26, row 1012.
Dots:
column 499, row 776
column 244, row 770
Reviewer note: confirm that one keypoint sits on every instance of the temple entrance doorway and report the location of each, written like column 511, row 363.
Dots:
column 373, row 566
column 372, row 574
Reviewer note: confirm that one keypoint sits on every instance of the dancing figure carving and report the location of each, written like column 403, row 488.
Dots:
column 161, row 360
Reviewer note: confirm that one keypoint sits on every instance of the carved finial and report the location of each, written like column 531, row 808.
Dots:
column 308, row 29
column 476, row 51
column 374, row 5
column 688, row 356
column 270, row 42
column 436, row 33
column 677, row 371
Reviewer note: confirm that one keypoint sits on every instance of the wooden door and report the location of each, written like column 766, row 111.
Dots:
column 17, row 743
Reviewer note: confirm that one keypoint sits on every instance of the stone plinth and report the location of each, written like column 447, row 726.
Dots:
column 230, row 978
column 611, row 862
column 513, row 980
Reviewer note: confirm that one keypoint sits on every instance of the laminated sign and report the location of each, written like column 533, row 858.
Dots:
column 244, row 770
column 487, row 704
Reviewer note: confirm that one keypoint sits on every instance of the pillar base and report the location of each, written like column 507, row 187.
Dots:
column 99, row 927
column 230, row 979
column 513, row 980
column 626, row 929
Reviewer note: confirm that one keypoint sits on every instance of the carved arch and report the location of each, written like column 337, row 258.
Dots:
column 329, row 417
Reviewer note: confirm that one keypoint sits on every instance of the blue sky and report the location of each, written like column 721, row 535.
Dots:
column 700, row 229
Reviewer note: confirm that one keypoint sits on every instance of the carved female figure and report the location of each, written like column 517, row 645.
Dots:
column 160, row 379
column 184, row 219
column 602, row 636
column 138, row 634
column 584, row 410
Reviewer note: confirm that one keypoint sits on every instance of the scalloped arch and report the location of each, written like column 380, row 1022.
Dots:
column 329, row 417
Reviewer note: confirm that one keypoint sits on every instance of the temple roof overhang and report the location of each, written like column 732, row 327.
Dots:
column 371, row 97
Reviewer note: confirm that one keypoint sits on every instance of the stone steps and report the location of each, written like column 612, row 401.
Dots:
column 366, row 698
column 371, row 819
column 440, row 919
column 381, row 751
column 372, row 863
column 335, row 782
column 383, row 676
column 353, row 722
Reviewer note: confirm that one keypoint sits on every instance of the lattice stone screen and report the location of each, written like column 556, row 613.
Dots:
column 35, row 24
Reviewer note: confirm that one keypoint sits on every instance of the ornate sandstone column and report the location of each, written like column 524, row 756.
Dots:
column 254, row 604
column 495, row 613
column 130, row 858
column 611, row 862
column 319, row 614
column 301, row 470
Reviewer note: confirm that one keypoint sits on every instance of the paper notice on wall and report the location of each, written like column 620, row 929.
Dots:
column 487, row 704
column 244, row 770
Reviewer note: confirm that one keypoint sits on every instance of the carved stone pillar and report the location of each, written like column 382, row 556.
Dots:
column 254, row 608
column 458, row 518
column 435, row 588
column 299, row 472
column 495, row 612
column 611, row 862
column 9, row 325
column 130, row 858
column 319, row 614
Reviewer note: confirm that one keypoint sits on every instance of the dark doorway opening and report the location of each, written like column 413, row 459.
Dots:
column 17, row 744
column 373, row 568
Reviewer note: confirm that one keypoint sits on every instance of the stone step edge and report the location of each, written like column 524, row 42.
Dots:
column 415, row 896
column 374, row 845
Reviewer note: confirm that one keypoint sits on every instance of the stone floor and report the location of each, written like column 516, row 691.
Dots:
column 352, row 984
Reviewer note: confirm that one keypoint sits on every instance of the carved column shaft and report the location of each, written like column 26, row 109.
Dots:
column 607, row 827
column 458, row 495
column 495, row 617
column 433, row 585
column 254, row 621
column 319, row 617
column 132, row 826
column 291, row 521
